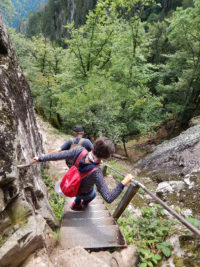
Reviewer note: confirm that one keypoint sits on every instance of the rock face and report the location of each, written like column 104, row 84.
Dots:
column 175, row 165
column 59, row 13
column 25, row 214
column 175, row 158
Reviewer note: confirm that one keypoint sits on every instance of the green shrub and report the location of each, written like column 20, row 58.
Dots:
column 57, row 202
column 148, row 233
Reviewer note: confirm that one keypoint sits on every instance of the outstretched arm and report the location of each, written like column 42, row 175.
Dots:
column 65, row 146
column 103, row 189
column 55, row 151
column 67, row 154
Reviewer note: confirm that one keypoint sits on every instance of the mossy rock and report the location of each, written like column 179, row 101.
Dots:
column 190, row 245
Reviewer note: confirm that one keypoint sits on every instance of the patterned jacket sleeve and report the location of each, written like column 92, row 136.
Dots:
column 109, row 196
column 67, row 154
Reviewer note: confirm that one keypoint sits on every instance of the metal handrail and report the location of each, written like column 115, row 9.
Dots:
column 126, row 200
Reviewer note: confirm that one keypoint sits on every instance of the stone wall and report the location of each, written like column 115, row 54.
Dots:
column 25, row 214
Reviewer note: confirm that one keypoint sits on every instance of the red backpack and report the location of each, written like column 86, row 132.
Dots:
column 71, row 181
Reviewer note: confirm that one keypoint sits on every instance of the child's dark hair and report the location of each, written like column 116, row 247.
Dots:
column 103, row 147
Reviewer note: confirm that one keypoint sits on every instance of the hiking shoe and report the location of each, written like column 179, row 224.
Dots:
column 85, row 205
column 74, row 206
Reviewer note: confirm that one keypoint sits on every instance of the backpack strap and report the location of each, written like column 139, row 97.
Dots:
column 81, row 141
column 72, row 141
column 84, row 174
column 81, row 155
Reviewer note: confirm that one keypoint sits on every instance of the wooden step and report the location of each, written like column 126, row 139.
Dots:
column 92, row 228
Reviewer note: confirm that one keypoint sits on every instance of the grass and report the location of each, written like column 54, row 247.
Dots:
column 18, row 216
column 119, row 167
column 56, row 202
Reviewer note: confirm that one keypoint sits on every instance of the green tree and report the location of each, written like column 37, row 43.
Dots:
column 41, row 61
column 48, row 60
column 6, row 7
column 110, row 49
column 140, row 111
column 179, row 77
column 102, row 79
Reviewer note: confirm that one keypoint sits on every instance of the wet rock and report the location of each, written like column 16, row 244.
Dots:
column 5, row 221
column 26, row 239
column 190, row 245
column 2, row 202
column 126, row 257
column 177, row 161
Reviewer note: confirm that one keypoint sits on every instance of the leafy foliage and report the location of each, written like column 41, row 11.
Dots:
column 22, row 9
column 7, row 9
column 177, row 80
column 148, row 233
column 120, row 76
column 110, row 71
column 57, row 202
column 195, row 222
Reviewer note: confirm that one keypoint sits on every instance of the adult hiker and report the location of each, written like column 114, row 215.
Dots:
column 77, row 141
column 103, row 149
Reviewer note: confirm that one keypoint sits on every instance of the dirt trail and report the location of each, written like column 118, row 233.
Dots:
column 53, row 139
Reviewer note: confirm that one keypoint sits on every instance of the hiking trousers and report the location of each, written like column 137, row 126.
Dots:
column 86, row 197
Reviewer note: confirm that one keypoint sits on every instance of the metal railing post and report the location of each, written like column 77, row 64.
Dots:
column 130, row 192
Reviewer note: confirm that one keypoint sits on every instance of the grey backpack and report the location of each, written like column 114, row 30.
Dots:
column 73, row 145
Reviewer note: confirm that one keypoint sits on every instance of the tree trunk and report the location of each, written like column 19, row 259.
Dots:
column 124, row 145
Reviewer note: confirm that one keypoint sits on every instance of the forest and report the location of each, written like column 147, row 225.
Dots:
column 121, row 69
column 130, row 68
column 19, row 10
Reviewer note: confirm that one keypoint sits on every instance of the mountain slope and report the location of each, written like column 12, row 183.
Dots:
column 23, row 9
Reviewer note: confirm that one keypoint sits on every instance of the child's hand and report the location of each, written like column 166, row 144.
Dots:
column 35, row 159
column 127, row 179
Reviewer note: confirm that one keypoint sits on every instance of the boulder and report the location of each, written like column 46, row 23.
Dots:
column 126, row 257
column 78, row 257
column 175, row 158
column 175, row 166
column 39, row 259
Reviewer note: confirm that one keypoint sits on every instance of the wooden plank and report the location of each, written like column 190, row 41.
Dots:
column 92, row 228
column 79, row 222
column 92, row 237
